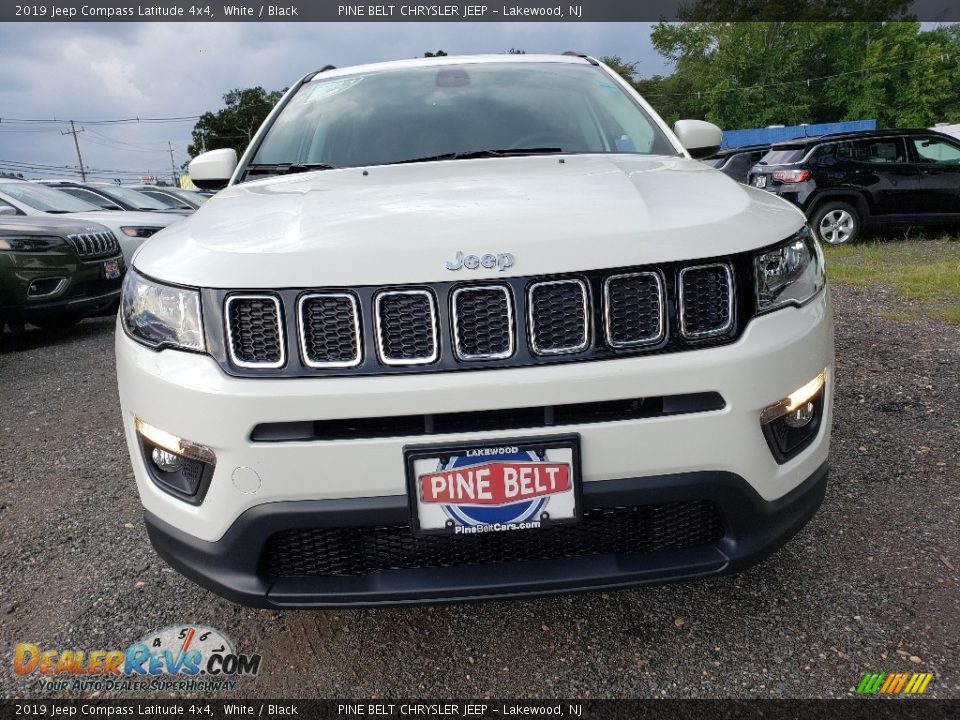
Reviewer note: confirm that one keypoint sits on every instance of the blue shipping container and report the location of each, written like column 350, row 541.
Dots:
column 765, row 136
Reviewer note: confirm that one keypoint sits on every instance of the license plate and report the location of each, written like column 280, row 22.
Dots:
column 498, row 486
column 760, row 181
column 111, row 269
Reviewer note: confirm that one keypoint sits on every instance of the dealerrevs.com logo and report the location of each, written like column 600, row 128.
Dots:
column 185, row 657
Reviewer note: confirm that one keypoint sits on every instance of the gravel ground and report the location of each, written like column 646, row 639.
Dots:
column 871, row 585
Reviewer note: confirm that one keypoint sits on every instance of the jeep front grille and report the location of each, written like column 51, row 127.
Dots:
column 94, row 244
column 482, row 322
column 406, row 325
column 706, row 300
column 634, row 309
column 255, row 331
column 329, row 330
column 559, row 317
column 496, row 322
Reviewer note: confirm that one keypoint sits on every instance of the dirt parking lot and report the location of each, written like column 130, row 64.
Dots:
column 871, row 585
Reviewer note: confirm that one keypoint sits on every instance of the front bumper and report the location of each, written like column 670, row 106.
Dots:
column 83, row 289
column 259, row 487
column 233, row 566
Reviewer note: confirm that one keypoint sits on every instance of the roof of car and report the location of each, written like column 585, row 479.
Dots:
column 572, row 59
column 858, row 135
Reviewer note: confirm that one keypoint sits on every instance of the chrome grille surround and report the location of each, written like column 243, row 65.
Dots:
column 378, row 319
column 721, row 328
column 532, row 322
column 302, row 330
column 457, row 334
column 92, row 244
column 608, row 311
column 231, row 339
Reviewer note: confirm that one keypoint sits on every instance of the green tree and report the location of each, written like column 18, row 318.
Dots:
column 753, row 74
column 233, row 126
column 438, row 53
column 624, row 68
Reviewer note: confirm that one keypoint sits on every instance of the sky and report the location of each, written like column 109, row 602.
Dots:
column 100, row 71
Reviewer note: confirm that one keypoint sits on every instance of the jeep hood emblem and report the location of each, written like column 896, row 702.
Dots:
column 501, row 261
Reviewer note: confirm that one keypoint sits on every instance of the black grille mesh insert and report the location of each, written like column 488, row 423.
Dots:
column 483, row 327
column 558, row 317
column 364, row 550
column 634, row 309
column 254, row 330
column 406, row 327
column 329, row 326
column 706, row 300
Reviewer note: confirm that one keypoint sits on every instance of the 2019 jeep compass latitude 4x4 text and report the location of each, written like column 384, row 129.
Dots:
column 473, row 327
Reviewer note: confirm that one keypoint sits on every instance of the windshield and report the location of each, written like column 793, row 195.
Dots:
column 45, row 199
column 168, row 200
column 133, row 198
column 193, row 196
column 394, row 116
column 783, row 156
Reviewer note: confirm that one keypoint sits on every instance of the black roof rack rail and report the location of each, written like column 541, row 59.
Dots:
column 583, row 55
column 312, row 75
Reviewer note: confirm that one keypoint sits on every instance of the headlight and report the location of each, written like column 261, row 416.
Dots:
column 161, row 316
column 139, row 232
column 32, row 244
column 789, row 274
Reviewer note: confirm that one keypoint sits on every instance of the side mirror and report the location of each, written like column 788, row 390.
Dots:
column 7, row 210
column 212, row 170
column 701, row 139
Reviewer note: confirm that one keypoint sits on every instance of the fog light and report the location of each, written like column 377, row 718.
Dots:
column 795, row 400
column 177, row 466
column 800, row 417
column 166, row 461
column 176, row 445
column 791, row 425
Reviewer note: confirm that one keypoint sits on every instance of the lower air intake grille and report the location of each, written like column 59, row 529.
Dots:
column 483, row 323
column 330, row 330
column 634, row 309
column 364, row 550
column 706, row 300
column 558, row 317
column 92, row 244
column 406, row 327
column 254, row 331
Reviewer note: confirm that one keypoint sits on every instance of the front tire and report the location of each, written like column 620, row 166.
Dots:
column 837, row 223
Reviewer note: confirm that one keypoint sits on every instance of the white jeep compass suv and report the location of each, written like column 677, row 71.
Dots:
column 473, row 327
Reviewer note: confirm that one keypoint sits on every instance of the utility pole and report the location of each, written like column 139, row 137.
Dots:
column 173, row 167
column 73, row 131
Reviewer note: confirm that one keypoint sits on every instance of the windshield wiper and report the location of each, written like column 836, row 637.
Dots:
column 509, row 152
column 288, row 168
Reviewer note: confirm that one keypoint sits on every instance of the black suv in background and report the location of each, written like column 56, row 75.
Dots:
column 844, row 182
column 737, row 162
column 55, row 272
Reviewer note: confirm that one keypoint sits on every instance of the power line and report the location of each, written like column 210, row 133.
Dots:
column 116, row 121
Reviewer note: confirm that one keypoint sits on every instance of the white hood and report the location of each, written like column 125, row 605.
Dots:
column 401, row 223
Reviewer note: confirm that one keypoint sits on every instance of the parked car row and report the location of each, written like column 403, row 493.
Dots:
column 65, row 245
column 844, row 183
